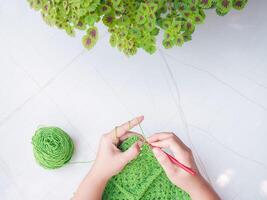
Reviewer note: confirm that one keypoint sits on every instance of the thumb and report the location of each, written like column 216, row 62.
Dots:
column 164, row 161
column 131, row 153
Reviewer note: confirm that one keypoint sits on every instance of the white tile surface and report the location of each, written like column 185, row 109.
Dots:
column 211, row 92
column 16, row 85
column 16, row 151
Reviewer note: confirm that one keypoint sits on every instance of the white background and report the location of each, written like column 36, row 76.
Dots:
column 212, row 92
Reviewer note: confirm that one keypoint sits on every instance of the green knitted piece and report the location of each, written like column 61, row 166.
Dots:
column 143, row 178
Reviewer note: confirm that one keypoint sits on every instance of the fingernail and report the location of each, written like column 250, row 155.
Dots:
column 140, row 143
column 153, row 146
column 138, row 147
column 141, row 116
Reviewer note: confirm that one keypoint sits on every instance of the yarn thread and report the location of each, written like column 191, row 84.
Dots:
column 142, row 179
column 52, row 147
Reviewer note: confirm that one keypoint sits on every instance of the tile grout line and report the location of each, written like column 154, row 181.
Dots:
column 225, row 146
column 67, row 119
column 114, row 92
column 12, row 182
column 253, row 81
column 151, row 97
column 42, row 89
column 65, row 67
column 32, row 97
column 47, row 84
column 221, row 81
column 18, row 108
column 182, row 114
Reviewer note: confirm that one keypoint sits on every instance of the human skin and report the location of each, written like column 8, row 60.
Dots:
column 195, row 185
column 110, row 161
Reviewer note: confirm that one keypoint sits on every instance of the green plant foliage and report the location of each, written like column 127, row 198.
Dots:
column 132, row 24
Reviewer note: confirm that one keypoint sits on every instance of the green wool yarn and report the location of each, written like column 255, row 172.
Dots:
column 142, row 179
column 52, row 147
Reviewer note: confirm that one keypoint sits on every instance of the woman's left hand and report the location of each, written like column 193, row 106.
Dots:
column 110, row 160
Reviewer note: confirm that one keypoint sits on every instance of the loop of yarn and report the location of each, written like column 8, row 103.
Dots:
column 52, row 147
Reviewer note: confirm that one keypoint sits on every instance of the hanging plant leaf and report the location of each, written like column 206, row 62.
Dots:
column 70, row 31
column 205, row 3
column 36, row 5
column 140, row 19
column 193, row 8
column 166, row 24
column 115, row 2
column 224, row 6
column 221, row 12
column 168, row 43
column 179, row 40
column 88, row 42
column 239, row 4
column 202, row 13
column 186, row 14
column 188, row 26
column 81, row 25
column 150, row 25
column 187, row 37
column 93, row 33
column 93, row 6
column 168, row 35
column 91, row 19
column 198, row 19
column 150, row 48
column 113, row 40
column 155, row 31
column 109, row 20
column 132, row 24
column 180, row 7
column 104, row 9
column 176, row 26
column 152, row 7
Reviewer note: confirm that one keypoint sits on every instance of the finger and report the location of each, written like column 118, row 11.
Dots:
column 164, row 161
column 175, row 145
column 159, row 136
column 121, row 130
column 129, row 134
column 131, row 153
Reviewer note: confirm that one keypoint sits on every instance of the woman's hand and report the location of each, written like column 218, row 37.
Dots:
column 109, row 161
column 195, row 185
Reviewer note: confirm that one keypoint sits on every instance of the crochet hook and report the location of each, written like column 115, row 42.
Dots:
column 176, row 162
column 172, row 159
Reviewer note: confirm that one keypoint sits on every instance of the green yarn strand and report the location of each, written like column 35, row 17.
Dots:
column 52, row 147
column 142, row 179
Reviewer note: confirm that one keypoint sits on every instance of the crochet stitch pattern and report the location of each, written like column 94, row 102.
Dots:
column 142, row 179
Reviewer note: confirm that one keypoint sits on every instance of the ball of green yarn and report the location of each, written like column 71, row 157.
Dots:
column 52, row 147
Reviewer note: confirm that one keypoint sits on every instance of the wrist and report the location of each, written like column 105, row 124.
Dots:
column 192, row 183
column 201, row 188
column 97, row 176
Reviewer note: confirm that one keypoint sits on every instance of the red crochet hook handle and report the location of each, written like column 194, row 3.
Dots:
column 176, row 162
column 187, row 169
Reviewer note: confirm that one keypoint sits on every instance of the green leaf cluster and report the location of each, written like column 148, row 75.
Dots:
column 132, row 24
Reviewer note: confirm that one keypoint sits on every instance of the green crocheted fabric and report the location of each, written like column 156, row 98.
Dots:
column 142, row 179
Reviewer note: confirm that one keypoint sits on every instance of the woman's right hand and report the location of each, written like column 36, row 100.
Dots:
column 195, row 185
